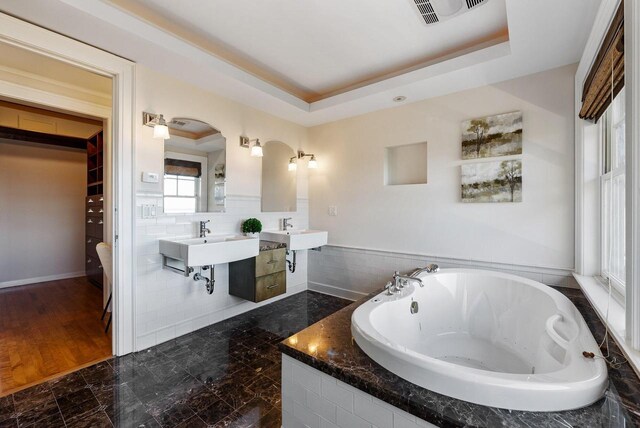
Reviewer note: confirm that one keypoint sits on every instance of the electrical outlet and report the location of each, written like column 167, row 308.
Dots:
column 333, row 211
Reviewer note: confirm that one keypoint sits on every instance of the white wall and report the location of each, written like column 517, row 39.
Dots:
column 536, row 235
column 167, row 304
column 42, row 191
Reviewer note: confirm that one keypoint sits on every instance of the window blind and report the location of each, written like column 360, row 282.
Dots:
column 607, row 72
column 184, row 168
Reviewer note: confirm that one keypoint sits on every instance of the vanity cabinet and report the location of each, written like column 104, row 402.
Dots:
column 262, row 277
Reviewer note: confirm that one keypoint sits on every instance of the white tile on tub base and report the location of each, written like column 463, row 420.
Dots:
column 337, row 406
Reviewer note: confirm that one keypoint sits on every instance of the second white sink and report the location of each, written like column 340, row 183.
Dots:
column 302, row 239
column 211, row 250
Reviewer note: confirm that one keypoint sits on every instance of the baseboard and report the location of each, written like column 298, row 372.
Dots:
column 186, row 326
column 336, row 291
column 39, row 279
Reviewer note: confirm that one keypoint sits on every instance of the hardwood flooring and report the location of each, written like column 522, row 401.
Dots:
column 49, row 329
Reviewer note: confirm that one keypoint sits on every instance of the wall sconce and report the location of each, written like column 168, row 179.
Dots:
column 256, row 150
column 157, row 122
column 313, row 163
column 293, row 165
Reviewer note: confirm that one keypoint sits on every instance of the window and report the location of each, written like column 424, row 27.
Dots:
column 180, row 194
column 612, row 182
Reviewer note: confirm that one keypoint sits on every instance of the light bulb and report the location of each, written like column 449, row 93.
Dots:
column 256, row 150
column 313, row 163
column 292, row 165
column 161, row 131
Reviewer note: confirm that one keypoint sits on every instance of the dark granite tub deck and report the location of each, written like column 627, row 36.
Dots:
column 341, row 358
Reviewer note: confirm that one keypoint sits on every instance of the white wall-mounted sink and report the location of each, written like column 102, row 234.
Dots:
column 212, row 250
column 302, row 239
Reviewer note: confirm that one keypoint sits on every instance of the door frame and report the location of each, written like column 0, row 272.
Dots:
column 120, row 128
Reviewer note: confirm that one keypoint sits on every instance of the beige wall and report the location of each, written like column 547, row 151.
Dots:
column 430, row 219
column 42, row 190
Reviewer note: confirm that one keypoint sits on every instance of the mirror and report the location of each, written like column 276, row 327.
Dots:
column 278, row 181
column 194, row 168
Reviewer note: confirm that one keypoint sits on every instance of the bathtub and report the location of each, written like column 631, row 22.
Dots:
column 485, row 337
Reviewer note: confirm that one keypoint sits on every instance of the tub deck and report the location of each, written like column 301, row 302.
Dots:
column 328, row 346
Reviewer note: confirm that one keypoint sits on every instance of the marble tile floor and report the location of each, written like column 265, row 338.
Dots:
column 224, row 375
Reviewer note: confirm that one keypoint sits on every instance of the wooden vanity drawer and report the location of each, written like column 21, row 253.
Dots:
column 272, row 261
column 270, row 286
column 259, row 278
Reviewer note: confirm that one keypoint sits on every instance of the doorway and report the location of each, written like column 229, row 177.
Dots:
column 120, row 130
column 54, row 209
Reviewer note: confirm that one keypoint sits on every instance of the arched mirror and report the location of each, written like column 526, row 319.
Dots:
column 279, row 192
column 194, row 168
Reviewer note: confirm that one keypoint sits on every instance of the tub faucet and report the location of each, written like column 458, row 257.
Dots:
column 400, row 281
column 203, row 229
column 430, row 268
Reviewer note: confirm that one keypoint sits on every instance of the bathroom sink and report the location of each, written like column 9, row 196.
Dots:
column 302, row 239
column 211, row 250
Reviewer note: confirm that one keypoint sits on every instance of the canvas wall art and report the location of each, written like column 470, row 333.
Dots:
column 499, row 135
column 499, row 181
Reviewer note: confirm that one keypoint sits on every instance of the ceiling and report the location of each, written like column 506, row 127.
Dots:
column 316, row 61
column 318, row 48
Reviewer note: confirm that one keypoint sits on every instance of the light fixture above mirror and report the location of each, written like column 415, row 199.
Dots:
column 256, row 149
column 159, row 125
column 313, row 163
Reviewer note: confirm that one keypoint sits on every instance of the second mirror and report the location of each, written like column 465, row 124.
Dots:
column 279, row 191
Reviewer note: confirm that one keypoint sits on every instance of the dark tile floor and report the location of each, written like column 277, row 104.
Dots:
column 224, row 375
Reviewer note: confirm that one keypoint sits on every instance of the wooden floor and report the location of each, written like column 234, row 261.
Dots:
column 48, row 329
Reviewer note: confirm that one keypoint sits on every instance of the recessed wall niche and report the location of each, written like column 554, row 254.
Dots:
column 406, row 164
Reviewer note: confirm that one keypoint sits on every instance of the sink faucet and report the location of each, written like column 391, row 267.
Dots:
column 399, row 282
column 203, row 229
column 285, row 223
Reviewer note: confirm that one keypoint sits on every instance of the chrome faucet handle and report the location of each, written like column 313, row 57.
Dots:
column 390, row 288
column 397, row 280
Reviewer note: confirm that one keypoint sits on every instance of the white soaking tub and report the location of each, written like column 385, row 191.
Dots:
column 486, row 337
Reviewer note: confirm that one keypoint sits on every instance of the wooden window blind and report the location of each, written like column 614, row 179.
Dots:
column 184, row 168
column 607, row 72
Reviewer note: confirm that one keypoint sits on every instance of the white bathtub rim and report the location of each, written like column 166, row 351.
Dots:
column 388, row 353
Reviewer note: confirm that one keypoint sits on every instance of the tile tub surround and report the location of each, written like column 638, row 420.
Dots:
column 353, row 273
column 227, row 374
column 328, row 347
column 169, row 305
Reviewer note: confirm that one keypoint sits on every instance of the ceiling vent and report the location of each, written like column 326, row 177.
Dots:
column 434, row 11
